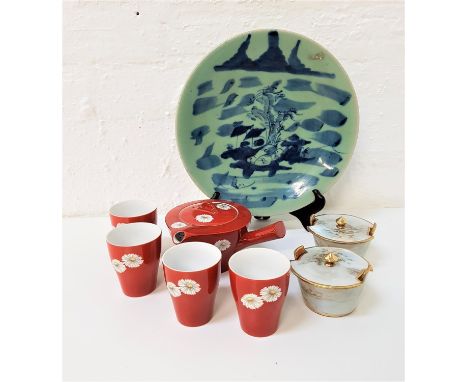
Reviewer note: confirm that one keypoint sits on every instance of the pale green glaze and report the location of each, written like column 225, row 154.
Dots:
column 187, row 122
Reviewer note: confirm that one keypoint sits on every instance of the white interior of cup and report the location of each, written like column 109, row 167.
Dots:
column 129, row 235
column 259, row 263
column 132, row 208
column 191, row 257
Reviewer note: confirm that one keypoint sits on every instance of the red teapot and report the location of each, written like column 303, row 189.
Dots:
column 219, row 222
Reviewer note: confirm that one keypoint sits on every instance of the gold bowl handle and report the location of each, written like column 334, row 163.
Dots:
column 372, row 229
column 298, row 252
column 362, row 276
column 313, row 219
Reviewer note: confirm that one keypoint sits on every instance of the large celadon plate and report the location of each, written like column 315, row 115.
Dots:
column 264, row 119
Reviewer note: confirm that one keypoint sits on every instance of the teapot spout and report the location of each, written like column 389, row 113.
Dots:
column 180, row 236
column 270, row 232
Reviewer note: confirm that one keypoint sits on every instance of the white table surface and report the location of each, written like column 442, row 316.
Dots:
column 108, row 336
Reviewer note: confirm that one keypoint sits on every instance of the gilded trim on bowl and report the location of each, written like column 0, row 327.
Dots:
column 313, row 220
column 359, row 283
column 331, row 315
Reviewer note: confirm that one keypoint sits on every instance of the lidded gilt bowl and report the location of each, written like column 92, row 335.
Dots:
column 331, row 279
column 343, row 231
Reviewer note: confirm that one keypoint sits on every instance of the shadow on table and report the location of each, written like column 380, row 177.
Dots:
column 166, row 243
column 367, row 302
column 224, row 304
column 160, row 283
column 293, row 315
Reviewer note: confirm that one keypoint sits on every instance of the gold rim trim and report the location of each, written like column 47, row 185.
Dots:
column 331, row 315
column 339, row 241
column 325, row 286
column 363, row 274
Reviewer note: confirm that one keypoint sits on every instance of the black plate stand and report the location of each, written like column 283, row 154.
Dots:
column 304, row 213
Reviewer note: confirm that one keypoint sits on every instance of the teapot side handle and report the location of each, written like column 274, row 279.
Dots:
column 270, row 232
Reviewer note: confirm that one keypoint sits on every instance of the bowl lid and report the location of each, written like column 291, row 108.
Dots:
column 342, row 228
column 330, row 266
column 207, row 217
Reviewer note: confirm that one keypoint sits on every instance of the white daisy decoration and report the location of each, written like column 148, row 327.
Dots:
column 222, row 244
column 204, row 218
column 178, row 225
column 173, row 289
column 251, row 301
column 118, row 266
column 187, row 286
column 270, row 293
column 132, row 260
column 223, row 206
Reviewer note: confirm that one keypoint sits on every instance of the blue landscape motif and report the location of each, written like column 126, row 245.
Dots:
column 269, row 135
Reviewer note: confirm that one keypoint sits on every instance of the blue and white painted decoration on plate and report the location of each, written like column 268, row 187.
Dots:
column 266, row 118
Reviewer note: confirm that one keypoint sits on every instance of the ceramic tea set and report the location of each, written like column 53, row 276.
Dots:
column 264, row 135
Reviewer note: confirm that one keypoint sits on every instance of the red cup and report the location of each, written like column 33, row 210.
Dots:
column 259, row 284
column 192, row 273
column 134, row 250
column 132, row 211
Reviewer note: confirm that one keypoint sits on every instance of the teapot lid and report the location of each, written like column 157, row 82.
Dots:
column 330, row 266
column 208, row 217
column 342, row 228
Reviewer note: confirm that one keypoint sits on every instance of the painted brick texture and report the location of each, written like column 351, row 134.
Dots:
column 123, row 73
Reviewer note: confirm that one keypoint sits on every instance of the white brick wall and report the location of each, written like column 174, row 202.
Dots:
column 123, row 73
